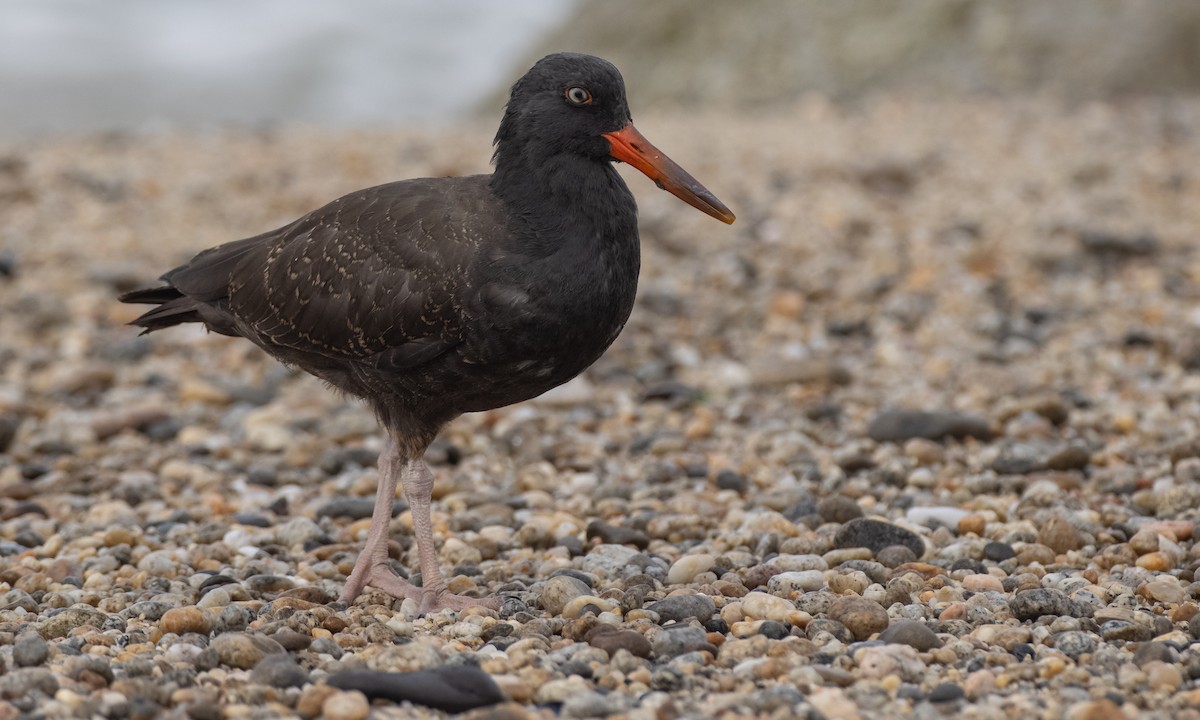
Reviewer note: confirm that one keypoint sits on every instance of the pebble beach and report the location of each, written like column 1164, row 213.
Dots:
column 918, row 435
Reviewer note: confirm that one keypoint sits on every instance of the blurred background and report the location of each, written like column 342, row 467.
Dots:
column 82, row 65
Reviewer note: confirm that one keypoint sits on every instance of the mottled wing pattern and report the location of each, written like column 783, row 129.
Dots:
column 374, row 276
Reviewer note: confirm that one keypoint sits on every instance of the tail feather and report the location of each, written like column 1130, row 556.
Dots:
column 173, row 308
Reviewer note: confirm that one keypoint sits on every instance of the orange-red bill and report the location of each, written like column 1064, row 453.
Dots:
column 630, row 146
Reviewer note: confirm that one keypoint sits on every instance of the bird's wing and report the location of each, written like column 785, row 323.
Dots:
column 375, row 276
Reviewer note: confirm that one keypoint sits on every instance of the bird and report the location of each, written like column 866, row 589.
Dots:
column 434, row 297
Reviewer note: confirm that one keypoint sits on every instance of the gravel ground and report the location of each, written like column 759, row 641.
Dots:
column 920, row 434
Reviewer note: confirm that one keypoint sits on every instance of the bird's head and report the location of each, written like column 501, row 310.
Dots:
column 575, row 103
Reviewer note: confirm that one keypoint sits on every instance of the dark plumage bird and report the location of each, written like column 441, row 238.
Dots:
column 434, row 297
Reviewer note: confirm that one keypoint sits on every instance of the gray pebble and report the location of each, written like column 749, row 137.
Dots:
column 1074, row 643
column 617, row 535
column 877, row 535
column 1039, row 602
column 63, row 623
column 1150, row 651
column 279, row 671
column 30, row 649
column 913, row 633
column 679, row 639
column 560, row 590
column 901, row 425
column 681, row 607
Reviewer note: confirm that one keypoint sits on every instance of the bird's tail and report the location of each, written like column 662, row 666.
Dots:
column 174, row 308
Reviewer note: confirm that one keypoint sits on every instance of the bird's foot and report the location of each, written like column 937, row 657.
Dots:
column 379, row 575
column 433, row 600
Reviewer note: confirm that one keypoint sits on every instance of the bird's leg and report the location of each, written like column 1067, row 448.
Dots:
column 372, row 568
column 418, row 489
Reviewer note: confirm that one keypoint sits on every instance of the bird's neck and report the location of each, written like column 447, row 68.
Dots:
column 564, row 195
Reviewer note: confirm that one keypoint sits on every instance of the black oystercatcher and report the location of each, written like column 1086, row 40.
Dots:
column 434, row 297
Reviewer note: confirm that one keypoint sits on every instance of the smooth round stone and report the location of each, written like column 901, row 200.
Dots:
column 681, row 607
column 244, row 650
column 894, row 556
column 297, row 531
column 679, row 639
column 30, row 649
column 159, row 563
column 935, row 516
column 1167, row 590
column 188, row 619
column 688, row 567
column 982, row 582
column 947, row 692
column 764, row 606
column 786, row 583
column 346, row 705
column 795, row 563
column 997, row 551
column 912, row 633
column 880, row 661
column 1060, row 536
column 862, row 617
column 843, row 582
column 279, row 671
column 608, row 560
column 611, row 639
column 1163, row 676
column 836, row 557
column 1156, row 561
column 560, row 590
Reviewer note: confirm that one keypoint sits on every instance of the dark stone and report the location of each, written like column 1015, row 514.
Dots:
column 355, row 508
column 279, row 671
column 611, row 639
column 726, row 480
column 675, row 394
column 998, row 551
column 681, row 607
column 946, row 692
column 901, row 425
column 579, row 575
column 913, row 633
column 1111, row 246
column 8, row 431
column 1023, row 650
column 774, row 630
column 876, row 535
column 452, row 688
column 617, row 535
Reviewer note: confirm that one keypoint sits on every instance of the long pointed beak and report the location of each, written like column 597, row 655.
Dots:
column 630, row 146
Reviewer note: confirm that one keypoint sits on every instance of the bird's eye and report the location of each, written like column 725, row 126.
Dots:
column 578, row 96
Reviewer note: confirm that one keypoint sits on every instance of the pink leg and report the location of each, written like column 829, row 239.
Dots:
column 418, row 489
column 371, row 568
column 372, row 565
